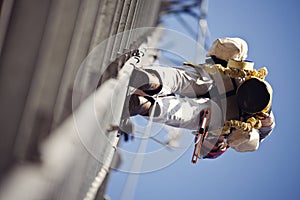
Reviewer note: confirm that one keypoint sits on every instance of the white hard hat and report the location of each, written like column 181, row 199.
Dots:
column 229, row 48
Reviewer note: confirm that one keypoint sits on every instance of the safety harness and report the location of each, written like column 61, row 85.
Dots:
column 240, row 69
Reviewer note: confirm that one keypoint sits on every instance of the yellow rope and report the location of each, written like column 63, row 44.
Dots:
column 251, row 123
column 233, row 72
column 260, row 73
column 236, row 73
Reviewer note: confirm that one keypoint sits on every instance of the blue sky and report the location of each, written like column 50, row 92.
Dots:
column 271, row 29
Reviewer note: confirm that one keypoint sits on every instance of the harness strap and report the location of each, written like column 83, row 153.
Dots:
column 236, row 69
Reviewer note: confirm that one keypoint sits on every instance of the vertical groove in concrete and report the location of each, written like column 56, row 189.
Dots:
column 45, row 45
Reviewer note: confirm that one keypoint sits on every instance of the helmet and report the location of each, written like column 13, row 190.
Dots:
column 229, row 48
column 254, row 96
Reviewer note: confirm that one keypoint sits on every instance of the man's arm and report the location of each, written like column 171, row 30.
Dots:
column 214, row 150
column 249, row 141
column 268, row 125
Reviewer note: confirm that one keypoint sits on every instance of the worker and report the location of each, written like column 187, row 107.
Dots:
column 238, row 96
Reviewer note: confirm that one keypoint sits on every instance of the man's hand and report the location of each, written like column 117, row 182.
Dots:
column 238, row 137
column 242, row 141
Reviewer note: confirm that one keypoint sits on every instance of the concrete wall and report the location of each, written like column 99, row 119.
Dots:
column 43, row 43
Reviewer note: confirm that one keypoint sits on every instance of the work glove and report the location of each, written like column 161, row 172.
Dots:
column 243, row 141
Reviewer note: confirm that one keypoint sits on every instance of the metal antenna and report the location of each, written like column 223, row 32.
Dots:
column 198, row 10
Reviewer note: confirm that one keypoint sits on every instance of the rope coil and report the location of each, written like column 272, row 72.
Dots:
column 247, row 126
column 236, row 73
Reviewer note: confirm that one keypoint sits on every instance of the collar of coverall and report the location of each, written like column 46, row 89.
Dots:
column 245, row 64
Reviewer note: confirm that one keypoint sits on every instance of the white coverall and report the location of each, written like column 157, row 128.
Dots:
column 190, row 82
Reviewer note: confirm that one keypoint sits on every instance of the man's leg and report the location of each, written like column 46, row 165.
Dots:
column 145, row 81
column 139, row 105
column 170, row 79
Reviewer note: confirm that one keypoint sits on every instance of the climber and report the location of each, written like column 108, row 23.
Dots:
column 237, row 95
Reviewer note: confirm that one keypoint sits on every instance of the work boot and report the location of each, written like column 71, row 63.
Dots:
column 145, row 81
column 140, row 105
